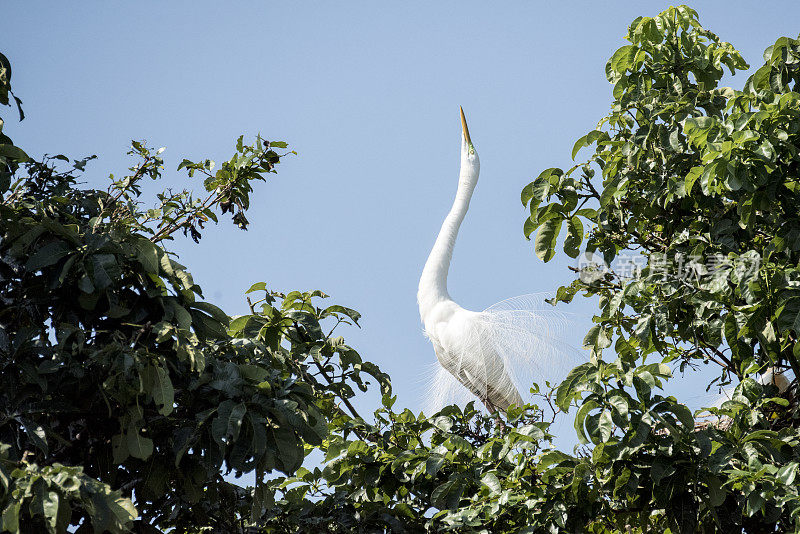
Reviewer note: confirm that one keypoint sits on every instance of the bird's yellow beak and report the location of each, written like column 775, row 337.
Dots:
column 464, row 128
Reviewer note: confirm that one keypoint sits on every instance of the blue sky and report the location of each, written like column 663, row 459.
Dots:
column 367, row 93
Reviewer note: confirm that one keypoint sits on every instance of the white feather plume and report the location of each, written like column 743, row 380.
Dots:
column 509, row 346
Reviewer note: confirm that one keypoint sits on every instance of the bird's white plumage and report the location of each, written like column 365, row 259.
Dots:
column 494, row 353
column 498, row 354
column 769, row 377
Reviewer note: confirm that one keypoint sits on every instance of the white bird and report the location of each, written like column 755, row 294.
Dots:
column 488, row 352
column 771, row 376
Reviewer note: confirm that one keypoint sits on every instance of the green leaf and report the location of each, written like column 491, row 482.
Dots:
column 553, row 457
column 447, row 495
column 35, row 433
column 434, row 464
column 716, row 492
column 659, row 471
column 697, row 129
column 605, row 425
column 138, row 446
column 491, row 481
column 65, row 270
column 574, row 237
column 213, row 311
column 620, row 404
column 177, row 314
column 119, row 448
column 622, row 59
column 258, row 286
column 546, row 238
column 235, row 420
column 207, row 327
column 112, row 512
column 103, row 268
column 691, row 177
column 341, row 310
column 587, row 140
column 789, row 316
column 580, row 420
column 85, row 284
column 290, row 449
column 10, row 517
column 787, row 473
column 147, row 255
column 159, row 386
column 529, row 227
column 47, row 502
column 683, row 414
column 569, row 387
column 47, row 255
column 13, row 153
column 537, row 191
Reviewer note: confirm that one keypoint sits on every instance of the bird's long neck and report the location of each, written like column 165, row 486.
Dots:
column 433, row 282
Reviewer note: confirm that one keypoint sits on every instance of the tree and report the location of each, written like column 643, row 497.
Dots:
column 691, row 172
column 122, row 388
column 124, row 396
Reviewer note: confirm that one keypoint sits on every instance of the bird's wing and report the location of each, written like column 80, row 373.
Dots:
column 508, row 346
column 532, row 338
column 444, row 388
column 477, row 372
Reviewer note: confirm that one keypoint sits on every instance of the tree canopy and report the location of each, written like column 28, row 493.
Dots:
column 119, row 379
column 125, row 396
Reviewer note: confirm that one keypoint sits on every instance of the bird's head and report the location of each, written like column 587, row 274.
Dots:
column 468, row 151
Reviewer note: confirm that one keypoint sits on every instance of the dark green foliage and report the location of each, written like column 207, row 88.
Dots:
column 119, row 382
column 689, row 172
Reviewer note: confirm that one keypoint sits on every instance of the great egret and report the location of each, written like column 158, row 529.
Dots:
column 488, row 352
